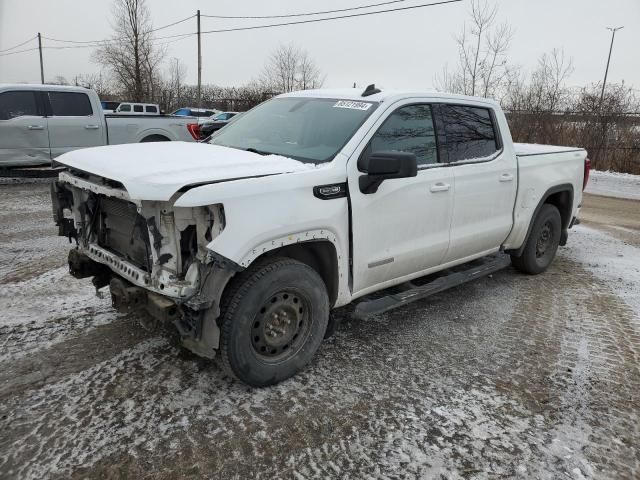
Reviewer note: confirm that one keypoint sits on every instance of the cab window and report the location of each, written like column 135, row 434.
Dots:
column 70, row 104
column 408, row 129
column 470, row 132
column 18, row 104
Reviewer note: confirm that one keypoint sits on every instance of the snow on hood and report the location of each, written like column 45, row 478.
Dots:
column 155, row 171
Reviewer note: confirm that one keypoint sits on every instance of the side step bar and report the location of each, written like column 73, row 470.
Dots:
column 462, row 274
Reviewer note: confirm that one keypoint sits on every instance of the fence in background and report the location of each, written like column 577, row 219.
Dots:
column 612, row 141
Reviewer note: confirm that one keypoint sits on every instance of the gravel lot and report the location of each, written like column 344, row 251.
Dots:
column 509, row 376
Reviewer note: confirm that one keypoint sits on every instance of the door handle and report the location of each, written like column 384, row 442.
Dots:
column 440, row 187
column 506, row 177
column 35, row 127
column 91, row 127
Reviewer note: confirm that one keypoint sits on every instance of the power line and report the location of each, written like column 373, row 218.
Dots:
column 182, row 36
column 19, row 51
column 315, row 20
column 19, row 45
column 303, row 14
column 171, row 24
column 97, row 43
column 109, row 40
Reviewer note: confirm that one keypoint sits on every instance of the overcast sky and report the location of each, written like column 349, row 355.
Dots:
column 394, row 50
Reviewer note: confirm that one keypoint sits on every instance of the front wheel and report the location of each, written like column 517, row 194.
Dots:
column 273, row 320
column 542, row 243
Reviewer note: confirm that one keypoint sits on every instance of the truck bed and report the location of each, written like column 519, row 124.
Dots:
column 529, row 149
column 541, row 167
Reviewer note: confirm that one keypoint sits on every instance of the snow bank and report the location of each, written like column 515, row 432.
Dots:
column 614, row 184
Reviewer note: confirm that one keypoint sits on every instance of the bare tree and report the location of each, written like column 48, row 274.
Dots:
column 99, row 82
column 130, row 55
column 59, row 80
column 173, row 86
column 482, row 51
column 545, row 91
column 288, row 68
column 533, row 103
column 309, row 75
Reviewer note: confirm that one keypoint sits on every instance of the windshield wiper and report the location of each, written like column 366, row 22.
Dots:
column 259, row 152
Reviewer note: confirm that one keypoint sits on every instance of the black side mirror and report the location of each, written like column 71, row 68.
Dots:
column 380, row 166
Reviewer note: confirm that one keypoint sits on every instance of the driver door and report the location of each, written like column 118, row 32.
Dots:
column 24, row 135
column 402, row 229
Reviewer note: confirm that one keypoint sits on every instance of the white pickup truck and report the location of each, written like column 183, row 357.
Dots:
column 40, row 122
column 306, row 203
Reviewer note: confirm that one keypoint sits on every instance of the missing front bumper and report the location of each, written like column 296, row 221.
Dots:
column 126, row 298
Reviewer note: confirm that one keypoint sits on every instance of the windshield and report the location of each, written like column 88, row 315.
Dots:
column 306, row 129
column 222, row 116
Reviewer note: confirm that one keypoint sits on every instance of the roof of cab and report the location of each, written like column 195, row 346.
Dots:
column 39, row 86
column 355, row 94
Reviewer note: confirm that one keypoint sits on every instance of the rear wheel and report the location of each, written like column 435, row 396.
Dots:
column 542, row 243
column 273, row 321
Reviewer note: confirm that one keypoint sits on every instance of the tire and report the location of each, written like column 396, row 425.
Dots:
column 273, row 319
column 542, row 243
column 154, row 138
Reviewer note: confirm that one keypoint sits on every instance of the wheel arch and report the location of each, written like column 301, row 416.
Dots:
column 561, row 197
column 155, row 137
column 320, row 254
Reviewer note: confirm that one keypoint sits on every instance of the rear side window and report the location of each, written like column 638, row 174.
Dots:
column 152, row 109
column 408, row 129
column 138, row 108
column 17, row 104
column 70, row 104
column 470, row 132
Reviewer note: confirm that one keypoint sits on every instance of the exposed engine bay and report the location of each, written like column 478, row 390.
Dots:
column 152, row 256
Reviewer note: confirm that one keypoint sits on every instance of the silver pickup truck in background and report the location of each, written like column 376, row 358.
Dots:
column 40, row 122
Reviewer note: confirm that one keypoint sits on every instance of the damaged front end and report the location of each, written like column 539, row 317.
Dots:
column 152, row 256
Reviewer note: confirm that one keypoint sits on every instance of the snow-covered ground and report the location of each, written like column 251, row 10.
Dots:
column 613, row 184
column 509, row 376
column 615, row 262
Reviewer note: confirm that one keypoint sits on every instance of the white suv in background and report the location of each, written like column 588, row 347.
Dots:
column 138, row 108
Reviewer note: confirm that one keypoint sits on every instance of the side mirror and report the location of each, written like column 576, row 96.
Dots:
column 380, row 166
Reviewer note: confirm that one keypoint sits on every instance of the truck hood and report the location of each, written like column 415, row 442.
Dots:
column 155, row 171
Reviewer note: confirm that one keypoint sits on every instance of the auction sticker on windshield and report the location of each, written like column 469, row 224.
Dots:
column 353, row 105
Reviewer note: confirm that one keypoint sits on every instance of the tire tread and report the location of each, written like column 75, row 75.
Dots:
column 236, row 291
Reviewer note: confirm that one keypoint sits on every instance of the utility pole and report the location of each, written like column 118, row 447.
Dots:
column 177, row 80
column 199, row 64
column 41, row 67
column 606, row 72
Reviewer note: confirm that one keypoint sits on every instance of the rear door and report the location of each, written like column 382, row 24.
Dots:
column 484, row 175
column 72, row 122
column 24, row 137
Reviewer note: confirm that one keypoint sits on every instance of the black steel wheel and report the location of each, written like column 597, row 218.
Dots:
column 542, row 243
column 274, row 317
column 545, row 239
column 281, row 325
